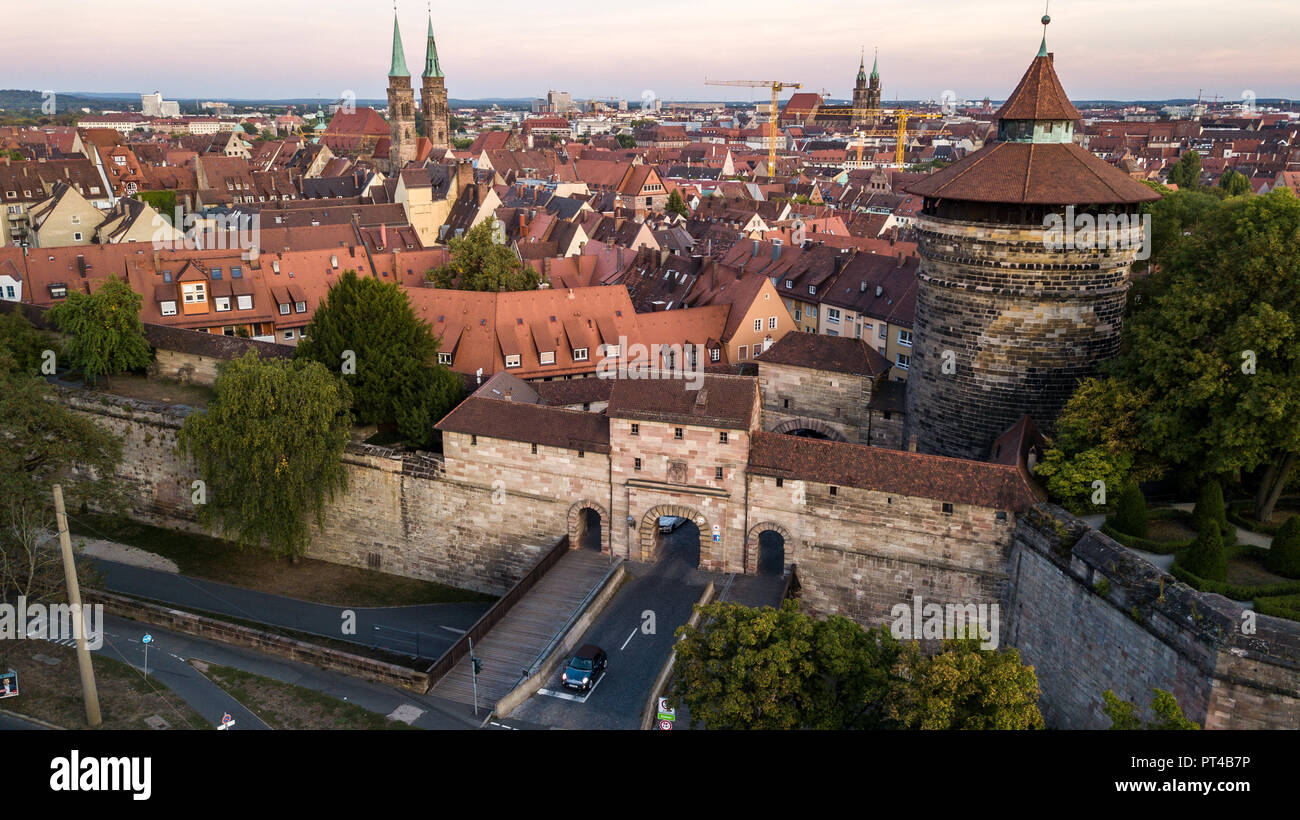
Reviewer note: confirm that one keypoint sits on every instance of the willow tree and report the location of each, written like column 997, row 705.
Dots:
column 270, row 451
column 105, row 335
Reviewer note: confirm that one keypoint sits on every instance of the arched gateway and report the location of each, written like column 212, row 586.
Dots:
column 586, row 519
column 648, row 532
column 767, row 549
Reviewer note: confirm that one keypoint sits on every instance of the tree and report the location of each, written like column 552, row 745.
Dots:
column 1284, row 553
column 461, row 143
column 43, row 443
column 270, row 450
column 1234, row 183
column 626, row 140
column 1211, row 363
column 1206, row 557
column 1131, row 511
column 677, row 205
column 367, row 330
column 1186, row 173
column 22, row 342
column 965, row 687
column 1210, row 510
column 478, row 262
column 1124, row 716
column 105, row 334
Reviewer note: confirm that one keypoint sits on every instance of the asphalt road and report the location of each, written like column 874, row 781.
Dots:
column 668, row 589
column 438, row 625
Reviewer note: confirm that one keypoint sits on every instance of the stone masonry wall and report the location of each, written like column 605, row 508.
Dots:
column 860, row 552
column 813, row 399
column 1090, row 615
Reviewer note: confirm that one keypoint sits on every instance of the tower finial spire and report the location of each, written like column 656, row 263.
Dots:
column 431, row 66
column 875, row 63
column 398, row 68
column 1042, row 49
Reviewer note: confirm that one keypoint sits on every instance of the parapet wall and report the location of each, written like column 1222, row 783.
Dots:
column 1090, row 615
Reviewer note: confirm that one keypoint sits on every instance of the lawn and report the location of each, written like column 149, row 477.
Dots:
column 202, row 556
column 166, row 391
column 50, row 686
column 1169, row 529
column 1249, row 571
column 287, row 706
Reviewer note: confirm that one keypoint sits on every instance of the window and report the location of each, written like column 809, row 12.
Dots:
column 512, row 361
column 223, row 303
column 722, row 437
column 581, row 454
column 216, row 273
column 473, row 441
column 677, row 433
column 884, row 331
column 771, row 323
column 636, row 464
column 744, row 352
column 785, row 404
column 236, row 272
column 797, row 314
column 228, row 330
column 168, row 308
column 1002, row 515
column 717, row 473
column 244, row 302
column 834, row 490
column 904, row 361
column 947, row 508
column 833, row 315
column 193, row 293
column 812, row 290
column 780, row 482
column 811, row 312
column 76, row 236
column 444, row 358
column 284, row 309
column 76, row 220
column 758, row 325
column 715, row 354
column 288, row 335
column 636, row 429
column 300, row 307
column 580, row 354
column 905, row 337
column 546, row 358
column 167, row 276
column 611, row 350
column 534, row 449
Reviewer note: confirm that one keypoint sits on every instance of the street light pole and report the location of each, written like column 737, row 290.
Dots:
column 88, row 690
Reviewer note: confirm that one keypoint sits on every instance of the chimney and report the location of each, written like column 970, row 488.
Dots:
column 862, row 287
column 879, row 290
column 510, row 392
column 911, row 443
column 383, row 236
column 755, row 253
column 776, row 252
column 464, row 175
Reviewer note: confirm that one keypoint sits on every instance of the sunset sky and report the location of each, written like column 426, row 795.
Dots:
column 1113, row 49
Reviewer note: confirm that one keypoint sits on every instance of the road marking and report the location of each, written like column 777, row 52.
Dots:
column 628, row 641
column 503, row 726
column 453, row 629
column 574, row 698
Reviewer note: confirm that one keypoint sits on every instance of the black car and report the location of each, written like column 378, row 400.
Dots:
column 585, row 667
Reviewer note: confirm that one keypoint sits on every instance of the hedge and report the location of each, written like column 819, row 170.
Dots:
column 1146, row 544
column 1281, row 606
column 1234, row 591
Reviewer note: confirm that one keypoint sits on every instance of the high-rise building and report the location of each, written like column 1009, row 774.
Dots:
column 1009, row 317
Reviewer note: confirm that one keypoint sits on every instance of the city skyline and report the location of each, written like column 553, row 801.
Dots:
column 986, row 48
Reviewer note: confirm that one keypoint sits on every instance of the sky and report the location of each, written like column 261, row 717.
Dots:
column 1104, row 49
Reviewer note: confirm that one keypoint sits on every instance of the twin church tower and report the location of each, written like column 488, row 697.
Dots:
column 401, row 103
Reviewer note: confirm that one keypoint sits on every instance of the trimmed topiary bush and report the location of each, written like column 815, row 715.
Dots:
column 1210, row 506
column 1207, row 556
column 1131, row 511
column 1284, row 553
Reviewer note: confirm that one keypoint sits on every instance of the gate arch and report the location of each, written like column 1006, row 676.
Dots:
column 575, row 523
column 648, row 533
column 790, row 426
column 751, row 545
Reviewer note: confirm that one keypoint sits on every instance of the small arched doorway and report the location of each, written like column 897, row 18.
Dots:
column 809, row 428
column 771, row 553
column 589, row 529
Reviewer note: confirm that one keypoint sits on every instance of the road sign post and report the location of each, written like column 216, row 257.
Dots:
column 148, row 639
column 667, row 715
column 8, row 684
column 474, row 665
column 226, row 722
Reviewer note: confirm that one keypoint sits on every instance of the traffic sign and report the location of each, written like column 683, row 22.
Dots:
column 666, row 713
column 226, row 721
column 148, row 638
column 666, row 725
column 8, row 684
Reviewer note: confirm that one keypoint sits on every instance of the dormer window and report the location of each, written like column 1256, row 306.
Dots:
column 284, row 309
column 580, row 354
column 512, row 361
column 299, row 307
column 167, row 308
column 444, row 358
column 546, row 358
column 193, row 292
column 59, row 291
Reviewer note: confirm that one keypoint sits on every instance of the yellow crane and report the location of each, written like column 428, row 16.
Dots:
column 776, row 87
column 901, row 115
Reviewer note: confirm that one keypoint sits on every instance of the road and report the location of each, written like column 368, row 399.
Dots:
column 668, row 589
column 438, row 625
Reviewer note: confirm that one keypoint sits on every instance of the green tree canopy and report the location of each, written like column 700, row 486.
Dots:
column 677, row 205
column 270, row 450
column 1284, row 553
column 478, row 262
column 22, row 342
column 367, row 330
column 1123, row 714
column 1131, row 511
column 43, row 443
column 746, row 668
column 1234, row 183
column 1206, row 557
column 1186, row 173
column 105, row 335
column 626, row 140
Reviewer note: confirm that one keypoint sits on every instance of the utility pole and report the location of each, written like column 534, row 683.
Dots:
column 473, row 672
column 88, row 691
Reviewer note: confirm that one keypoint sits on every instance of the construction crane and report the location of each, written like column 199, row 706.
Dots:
column 902, row 115
column 776, row 90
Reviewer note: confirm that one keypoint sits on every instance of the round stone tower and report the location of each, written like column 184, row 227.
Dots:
column 1025, row 251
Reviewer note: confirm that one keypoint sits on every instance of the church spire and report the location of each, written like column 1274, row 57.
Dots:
column 1042, row 49
column 399, row 57
column 862, row 66
column 875, row 66
column 431, row 67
